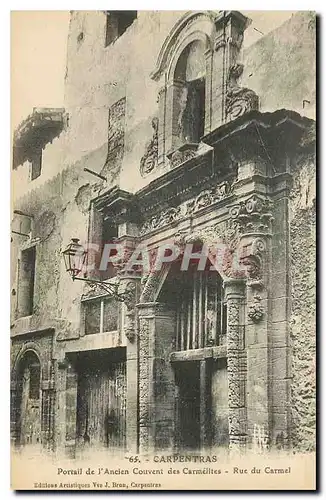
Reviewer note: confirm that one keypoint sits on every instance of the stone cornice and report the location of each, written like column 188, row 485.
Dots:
column 281, row 129
column 272, row 135
column 117, row 204
column 33, row 333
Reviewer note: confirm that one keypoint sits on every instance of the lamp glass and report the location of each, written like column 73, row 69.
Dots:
column 74, row 257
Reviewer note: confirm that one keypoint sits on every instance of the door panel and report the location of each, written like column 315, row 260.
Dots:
column 101, row 404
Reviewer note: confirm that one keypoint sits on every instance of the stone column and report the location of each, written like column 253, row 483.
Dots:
column 129, row 286
column 208, row 90
column 156, row 377
column 236, row 359
column 161, row 125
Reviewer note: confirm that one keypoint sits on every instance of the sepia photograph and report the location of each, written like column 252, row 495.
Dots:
column 163, row 250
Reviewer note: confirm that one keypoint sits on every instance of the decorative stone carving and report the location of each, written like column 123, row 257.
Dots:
column 172, row 214
column 116, row 125
column 152, row 282
column 149, row 160
column 209, row 196
column 252, row 259
column 239, row 100
column 234, row 290
column 255, row 310
column 144, row 384
column 129, row 292
column 165, row 217
column 252, row 215
column 184, row 153
column 120, row 264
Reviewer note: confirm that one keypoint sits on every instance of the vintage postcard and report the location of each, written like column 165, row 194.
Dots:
column 163, row 250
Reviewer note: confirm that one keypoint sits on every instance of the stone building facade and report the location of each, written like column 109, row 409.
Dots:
column 171, row 133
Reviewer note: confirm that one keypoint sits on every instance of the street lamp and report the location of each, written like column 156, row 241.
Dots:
column 74, row 257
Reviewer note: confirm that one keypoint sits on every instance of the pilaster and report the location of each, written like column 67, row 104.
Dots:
column 156, row 377
column 253, row 219
column 235, row 294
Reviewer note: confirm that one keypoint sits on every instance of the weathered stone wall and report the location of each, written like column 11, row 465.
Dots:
column 303, row 310
column 281, row 66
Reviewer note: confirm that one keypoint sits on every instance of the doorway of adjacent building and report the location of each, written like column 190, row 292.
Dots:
column 101, row 400
column 28, row 401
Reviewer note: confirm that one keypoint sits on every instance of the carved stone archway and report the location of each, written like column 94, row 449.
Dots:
column 244, row 273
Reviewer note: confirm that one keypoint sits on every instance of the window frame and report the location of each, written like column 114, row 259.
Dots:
column 101, row 299
column 19, row 278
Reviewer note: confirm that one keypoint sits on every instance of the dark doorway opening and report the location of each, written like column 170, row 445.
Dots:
column 188, row 406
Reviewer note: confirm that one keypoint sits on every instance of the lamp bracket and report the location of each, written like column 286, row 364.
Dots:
column 110, row 288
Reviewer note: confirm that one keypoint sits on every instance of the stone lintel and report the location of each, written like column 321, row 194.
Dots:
column 199, row 354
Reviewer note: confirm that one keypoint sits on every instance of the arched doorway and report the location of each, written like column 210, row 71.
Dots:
column 199, row 357
column 28, row 401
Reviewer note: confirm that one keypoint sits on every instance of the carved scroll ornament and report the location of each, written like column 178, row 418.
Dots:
column 150, row 158
column 239, row 100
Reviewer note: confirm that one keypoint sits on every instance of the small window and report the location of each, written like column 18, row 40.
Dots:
column 36, row 164
column 101, row 315
column 102, row 231
column 109, row 233
column 26, row 282
column 117, row 21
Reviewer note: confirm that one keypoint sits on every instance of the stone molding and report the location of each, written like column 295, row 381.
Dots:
column 204, row 199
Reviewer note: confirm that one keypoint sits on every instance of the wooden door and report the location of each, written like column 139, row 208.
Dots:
column 101, row 404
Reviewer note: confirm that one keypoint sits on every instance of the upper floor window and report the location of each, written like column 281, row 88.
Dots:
column 117, row 21
column 189, row 96
column 26, row 275
column 184, row 103
column 101, row 232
